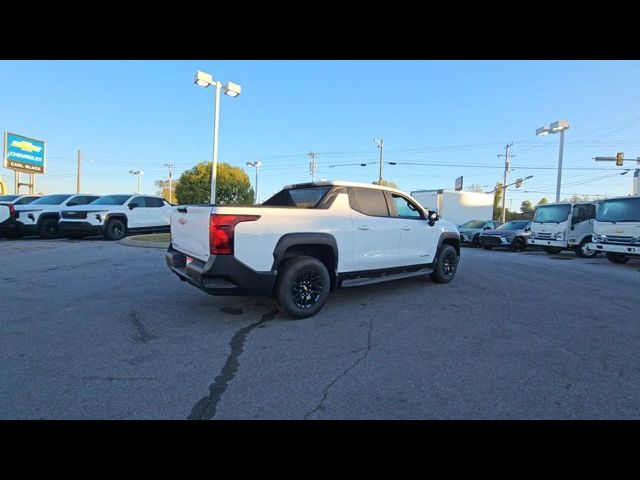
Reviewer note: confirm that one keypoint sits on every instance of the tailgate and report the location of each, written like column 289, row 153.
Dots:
column 4, row 213
column 190, row 230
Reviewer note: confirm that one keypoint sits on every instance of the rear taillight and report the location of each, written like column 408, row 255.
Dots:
column 221, row 229
column 12, row 211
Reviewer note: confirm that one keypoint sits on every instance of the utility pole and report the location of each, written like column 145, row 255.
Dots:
column 139, row 173
column 380, row 144
column 170, row 166
column 312, row 165
column 507, row 161
column 78, row 175
column 256, row 164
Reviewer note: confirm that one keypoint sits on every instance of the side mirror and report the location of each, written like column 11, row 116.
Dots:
column 133, row 205
column 433, row 218
column 487, row 228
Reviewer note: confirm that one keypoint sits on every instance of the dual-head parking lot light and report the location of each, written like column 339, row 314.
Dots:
column 205, row 80
column 556, row 127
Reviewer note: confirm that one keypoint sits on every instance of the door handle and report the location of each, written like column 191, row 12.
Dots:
column 406, row 229
column 363, row 227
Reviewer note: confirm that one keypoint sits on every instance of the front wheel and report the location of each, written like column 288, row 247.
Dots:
column 303, row 286
column 49, row 229
column 476, row 241
column 552, row 250
column 115, row 230
column 518, row 244
column 617, row 257
column 446, row 265
column 584, row 250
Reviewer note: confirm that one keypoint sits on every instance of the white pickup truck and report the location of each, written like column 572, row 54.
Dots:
column 309, row 239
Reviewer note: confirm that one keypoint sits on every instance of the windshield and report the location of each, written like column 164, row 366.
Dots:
column 473, row 224
column 8, row 198
column 552, row 213
column 298, row 197
column 512, row 226
column 111, row 200
column 50, row 200
column 619, row 210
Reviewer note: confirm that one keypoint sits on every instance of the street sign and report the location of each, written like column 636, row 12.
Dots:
column 458, row 184
column 24, row 154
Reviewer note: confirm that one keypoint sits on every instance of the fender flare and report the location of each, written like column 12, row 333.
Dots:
column 47, row 216
column 292, row 239
column 445, row 236
column 120, row 216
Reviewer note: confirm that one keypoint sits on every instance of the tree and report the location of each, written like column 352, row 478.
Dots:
column 233, row 186
column 162, row 189
column 476, row 188
column 543, row 201
column 526, row 206
column 386, row 183
column 497, row 199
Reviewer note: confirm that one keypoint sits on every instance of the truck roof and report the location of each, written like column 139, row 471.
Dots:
column 325, row 183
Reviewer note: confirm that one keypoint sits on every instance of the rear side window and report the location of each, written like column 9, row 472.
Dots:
column 298, row 197
column 369, row 201
column 154, row 202
column 140, row 201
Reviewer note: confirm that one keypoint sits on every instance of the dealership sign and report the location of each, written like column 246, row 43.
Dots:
column 23, row 153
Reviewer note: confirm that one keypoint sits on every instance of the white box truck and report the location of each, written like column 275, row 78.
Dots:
column 456, row 207
column 616, row 230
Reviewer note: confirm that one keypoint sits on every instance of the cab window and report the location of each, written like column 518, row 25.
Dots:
column 154, row 202
column 406, row 208
column 139, row 200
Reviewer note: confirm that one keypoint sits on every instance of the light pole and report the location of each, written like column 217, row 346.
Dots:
column 203, row 79
column 139, row 173
column 257, row 164
column 380, row 144
column 556, row 127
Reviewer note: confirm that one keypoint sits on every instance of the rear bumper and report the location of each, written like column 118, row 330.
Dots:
column 548, row 243
column 15, row 227
column 631, row 250
column 79, row 228
column 221, row 275
column 7, row 226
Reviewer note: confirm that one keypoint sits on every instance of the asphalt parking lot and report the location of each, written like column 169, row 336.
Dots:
column 92, row 329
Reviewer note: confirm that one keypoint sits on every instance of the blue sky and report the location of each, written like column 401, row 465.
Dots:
column 128, row 115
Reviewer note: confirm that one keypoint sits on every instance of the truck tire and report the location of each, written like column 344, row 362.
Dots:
column 115, row 229
column 583, row 251
column 519, row 244
column 552, row 250
column 617, row 257
column 446, row 265
column 303, row 286
column 48, row 229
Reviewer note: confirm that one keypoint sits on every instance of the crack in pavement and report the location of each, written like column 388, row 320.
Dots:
column 325, row 393
column 143, row 334
column 206, row 407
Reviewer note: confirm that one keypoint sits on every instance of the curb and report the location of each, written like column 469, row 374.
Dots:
column 129, row 242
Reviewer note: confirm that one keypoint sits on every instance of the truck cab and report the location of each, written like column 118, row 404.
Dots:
column 616, row 230
column 564, row 226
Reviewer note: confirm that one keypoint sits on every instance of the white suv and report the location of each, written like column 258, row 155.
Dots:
column 116, row 216
column 40, row 217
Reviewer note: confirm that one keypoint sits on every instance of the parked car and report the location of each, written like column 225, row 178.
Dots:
column 8, row 211
column 116, row 216
column 512, row 235
column 308, row 240
column 471, row 230
column 40, row 217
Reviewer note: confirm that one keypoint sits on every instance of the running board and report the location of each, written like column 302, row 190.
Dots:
column 360, row 282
